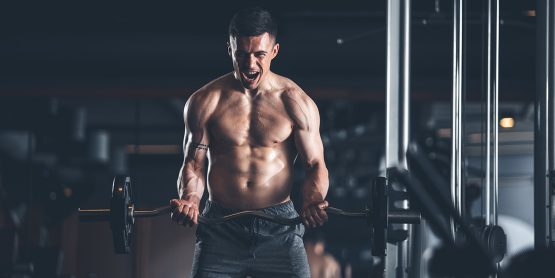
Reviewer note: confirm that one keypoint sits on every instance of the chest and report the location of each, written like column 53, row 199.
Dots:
column 261, row 122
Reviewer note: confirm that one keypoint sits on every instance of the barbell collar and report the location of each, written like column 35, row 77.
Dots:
column 404, row 216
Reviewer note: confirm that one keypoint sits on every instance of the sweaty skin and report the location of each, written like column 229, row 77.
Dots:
column 251, row 125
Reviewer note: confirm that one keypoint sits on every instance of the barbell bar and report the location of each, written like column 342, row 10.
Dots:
column 122, row 214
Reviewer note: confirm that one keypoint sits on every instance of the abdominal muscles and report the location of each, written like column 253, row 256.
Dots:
column 249, row 177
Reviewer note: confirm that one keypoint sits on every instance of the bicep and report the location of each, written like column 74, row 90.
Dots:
column 195, row 147
column 196, row 140
column 309, row 145
column 307, row 138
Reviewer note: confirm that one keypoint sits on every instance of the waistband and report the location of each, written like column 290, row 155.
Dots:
column 281, row 208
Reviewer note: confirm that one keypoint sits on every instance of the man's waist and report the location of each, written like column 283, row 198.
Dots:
column 215, row 208
column 242, row 194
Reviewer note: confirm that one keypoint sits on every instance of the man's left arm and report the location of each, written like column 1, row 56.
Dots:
column 311, row 152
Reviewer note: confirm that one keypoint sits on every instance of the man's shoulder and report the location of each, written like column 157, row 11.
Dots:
column 211, row 91
column 213, row 87
column 291, row 93
column 288, row 87
column 205, row 100
column 300, row 106
column 295, row 98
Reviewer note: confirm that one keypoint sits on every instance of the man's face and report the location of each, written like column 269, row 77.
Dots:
column 252, row 57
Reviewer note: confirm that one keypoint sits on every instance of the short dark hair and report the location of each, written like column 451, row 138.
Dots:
column 253, row 22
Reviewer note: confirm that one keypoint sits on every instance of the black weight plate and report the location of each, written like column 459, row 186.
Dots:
column 496, row 241
column 379, row 216
column 121, row 222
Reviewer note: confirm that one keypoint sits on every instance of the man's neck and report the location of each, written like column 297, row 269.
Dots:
column 265, row 85
column 252, row 93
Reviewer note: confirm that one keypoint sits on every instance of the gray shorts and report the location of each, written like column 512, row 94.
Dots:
column 250, row 246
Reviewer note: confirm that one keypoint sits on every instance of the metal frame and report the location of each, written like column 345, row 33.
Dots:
column 456, row 117
column 544, row 129
column 492, row 128
column 398, row 103
column 551, row 140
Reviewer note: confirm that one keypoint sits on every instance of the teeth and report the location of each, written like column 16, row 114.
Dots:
column 251, row 75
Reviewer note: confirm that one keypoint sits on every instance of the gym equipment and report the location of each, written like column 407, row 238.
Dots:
column 492, row 236
column 482, row 247
column 122, row 214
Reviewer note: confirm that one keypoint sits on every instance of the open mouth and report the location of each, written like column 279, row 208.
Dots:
column 250, row 76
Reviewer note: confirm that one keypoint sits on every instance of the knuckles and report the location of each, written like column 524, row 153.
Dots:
column 183, row 211
column 314, row 215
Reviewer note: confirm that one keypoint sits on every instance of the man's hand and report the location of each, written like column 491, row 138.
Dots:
column 185, row 212
column 314, row 214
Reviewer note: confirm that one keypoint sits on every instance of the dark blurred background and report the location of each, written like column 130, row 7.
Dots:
column 93, row 89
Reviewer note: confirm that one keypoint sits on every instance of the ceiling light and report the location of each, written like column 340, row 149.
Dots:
column 507, row 122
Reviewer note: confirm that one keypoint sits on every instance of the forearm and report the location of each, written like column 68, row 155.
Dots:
column 316, row 182
column 191, row 183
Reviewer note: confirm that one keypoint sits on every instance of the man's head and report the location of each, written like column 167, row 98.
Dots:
column 252, row 45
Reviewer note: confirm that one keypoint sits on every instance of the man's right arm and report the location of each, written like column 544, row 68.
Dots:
column 192, row 177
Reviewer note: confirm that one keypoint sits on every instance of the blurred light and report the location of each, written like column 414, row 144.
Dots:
column 68, row 192
column 444, row 132
column 530, row 13
column 475, row 138
column 359, row 130
column 154, row 149
column 99, row 146
column 507, row 122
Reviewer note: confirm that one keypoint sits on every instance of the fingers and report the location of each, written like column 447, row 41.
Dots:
column 174, row 202
column 322, row 215
column 185, row 215
column 311, row 219
column 190, row 215
column 184, row 212
column 315, row 215
column 313, row 210
column 177, row 213
column 307, row 219
column 321, row 212
column 195, row 217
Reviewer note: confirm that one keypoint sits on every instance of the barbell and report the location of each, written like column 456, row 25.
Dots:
column 122, row 213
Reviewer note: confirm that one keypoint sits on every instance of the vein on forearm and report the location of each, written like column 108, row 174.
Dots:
column 193, row 172
column 316, row 178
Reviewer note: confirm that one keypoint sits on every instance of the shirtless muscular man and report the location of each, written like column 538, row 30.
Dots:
column 251, row 124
